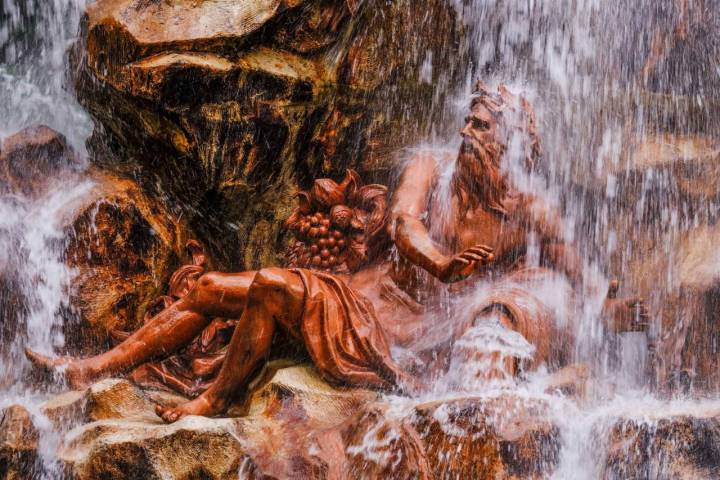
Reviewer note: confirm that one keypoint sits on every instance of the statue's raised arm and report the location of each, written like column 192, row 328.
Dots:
column 411, row 236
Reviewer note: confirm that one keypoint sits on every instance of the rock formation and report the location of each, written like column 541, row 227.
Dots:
column 294, row 426
column 256, row 100
column 122, row 244
column 210, row 117
column 32, row 156
column 18, row 444
column 682, row 447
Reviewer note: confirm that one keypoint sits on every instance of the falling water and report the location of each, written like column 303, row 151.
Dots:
column 35, row 36
column 588, row 67
column 34, row 280
column 606, row 78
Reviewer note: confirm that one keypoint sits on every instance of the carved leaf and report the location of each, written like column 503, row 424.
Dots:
column 359, row 220
column 350, row 184
column 326, row 193
column 373, row 199
column 304, row 203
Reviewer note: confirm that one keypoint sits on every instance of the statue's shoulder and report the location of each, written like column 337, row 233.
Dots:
column 427, row 159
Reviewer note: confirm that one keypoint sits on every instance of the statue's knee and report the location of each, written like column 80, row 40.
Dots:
column 268, row 279
column 207, row 282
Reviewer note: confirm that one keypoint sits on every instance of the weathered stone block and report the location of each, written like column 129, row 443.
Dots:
column 682, row 447
column 18, row 443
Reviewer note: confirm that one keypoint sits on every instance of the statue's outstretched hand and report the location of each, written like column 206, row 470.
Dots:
column 462, row 265
column 625, row 314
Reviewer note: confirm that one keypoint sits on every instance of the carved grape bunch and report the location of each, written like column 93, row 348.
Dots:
column 334, row 224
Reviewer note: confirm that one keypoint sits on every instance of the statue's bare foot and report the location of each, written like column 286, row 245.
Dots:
column 202, row 405
column 71, row 370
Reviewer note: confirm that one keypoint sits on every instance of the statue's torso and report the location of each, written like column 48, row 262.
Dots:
column 506, row 234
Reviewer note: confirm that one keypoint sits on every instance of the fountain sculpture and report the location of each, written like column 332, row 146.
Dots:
column 269, row 261
column 332, row 315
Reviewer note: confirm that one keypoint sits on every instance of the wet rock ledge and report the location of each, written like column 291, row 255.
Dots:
column 293, row 425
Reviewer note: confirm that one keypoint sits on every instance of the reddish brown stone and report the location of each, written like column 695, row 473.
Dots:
column 32, row 156
column 18, row 444
column 246, row 106
column 125, row 245
column 682, row 447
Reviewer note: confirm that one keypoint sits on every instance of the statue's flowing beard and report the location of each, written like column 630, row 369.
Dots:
column 478, row 179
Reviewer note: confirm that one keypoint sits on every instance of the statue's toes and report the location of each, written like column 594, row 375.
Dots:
column 171, row 416
column 168, row 415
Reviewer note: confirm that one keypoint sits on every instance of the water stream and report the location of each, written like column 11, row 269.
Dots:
column 34, row 37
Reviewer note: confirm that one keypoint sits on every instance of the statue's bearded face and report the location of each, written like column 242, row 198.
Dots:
column 481, row 150
column 479, row 178
column 480, row 127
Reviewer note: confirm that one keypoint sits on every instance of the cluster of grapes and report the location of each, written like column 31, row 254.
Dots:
column 319, row 244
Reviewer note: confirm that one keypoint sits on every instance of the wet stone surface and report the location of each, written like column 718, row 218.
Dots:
column 681, row 447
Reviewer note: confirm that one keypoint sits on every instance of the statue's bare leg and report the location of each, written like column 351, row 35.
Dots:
column 276, row 297
column 215, row 294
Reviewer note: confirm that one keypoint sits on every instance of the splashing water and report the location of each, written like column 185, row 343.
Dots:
column 34, row 37
column 581, row 63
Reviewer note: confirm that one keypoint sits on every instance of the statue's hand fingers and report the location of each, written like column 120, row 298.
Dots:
column 487, row 255
column 473, row 257
column 481, row 250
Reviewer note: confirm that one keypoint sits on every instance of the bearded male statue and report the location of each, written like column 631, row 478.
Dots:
column 349, row 311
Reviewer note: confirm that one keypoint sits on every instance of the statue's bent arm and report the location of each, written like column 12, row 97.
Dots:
column 410, row 202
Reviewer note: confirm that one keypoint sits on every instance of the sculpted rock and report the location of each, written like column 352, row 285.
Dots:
column 504, row 438
column 378, row 445
column 121, row 243
column 682, row 447
column 294, row 425
column 319, row 401
column 232, row 105
column 29, row 158
column 666, row 175
column 124, row 246
column 685, row 348
column 108, row 399
column 193, row 448
column 18, row 443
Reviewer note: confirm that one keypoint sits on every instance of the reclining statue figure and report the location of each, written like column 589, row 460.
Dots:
column 348, row 297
